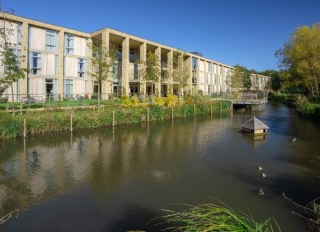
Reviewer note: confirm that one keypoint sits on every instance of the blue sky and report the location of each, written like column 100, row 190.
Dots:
column 245, row 32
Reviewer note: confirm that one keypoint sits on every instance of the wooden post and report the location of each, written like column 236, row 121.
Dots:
column 172, row 113
column 113, row 117
column 71, row 128
column 24, row 128
column 211, row 109
column 194, row 110
column 148, row 114
column 220, row 105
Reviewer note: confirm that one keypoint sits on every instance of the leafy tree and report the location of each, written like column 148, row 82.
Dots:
column 10, row 61
column 300, row 59
column 150, row 70
column 235, row 79
column 275, row 84
column 180, row 71
column 103, row 62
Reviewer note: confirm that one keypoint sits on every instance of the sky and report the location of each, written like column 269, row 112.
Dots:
column 243, row 32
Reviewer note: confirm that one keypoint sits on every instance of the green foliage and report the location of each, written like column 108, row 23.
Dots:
column 211, row 217
column 42, row 122
column 150, row 70
column 180, row 72
column 300, row 59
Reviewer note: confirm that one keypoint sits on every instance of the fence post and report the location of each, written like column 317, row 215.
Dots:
column 24, row 128
column 172, row 113
column 148, row 114
column 194, row 110
column 113, row 118
column 71, row 128
column 211, row 109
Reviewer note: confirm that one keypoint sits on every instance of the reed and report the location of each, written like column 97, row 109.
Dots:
column 212, row 217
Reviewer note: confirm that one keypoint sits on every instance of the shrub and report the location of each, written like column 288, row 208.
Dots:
column 172, row 100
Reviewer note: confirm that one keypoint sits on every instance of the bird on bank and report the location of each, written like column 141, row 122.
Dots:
column 294, row 139
column 260, row 168
column 264, row 175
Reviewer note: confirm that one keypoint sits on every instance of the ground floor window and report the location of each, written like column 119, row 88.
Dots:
column 134, row 89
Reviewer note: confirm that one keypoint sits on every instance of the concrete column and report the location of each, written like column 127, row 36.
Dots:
column 197, row 76
column 89, row 67
column 60, row 64
column 25, row 55
column 125, row 67
column 157, row 90
column 188, row 63
column 143, row 57
column 106, row 86
column 170, row 69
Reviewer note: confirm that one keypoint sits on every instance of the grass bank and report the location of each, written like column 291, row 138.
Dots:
column 302, row 105
column 34, row 122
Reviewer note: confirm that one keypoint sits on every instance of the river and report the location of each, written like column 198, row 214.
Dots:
column 119, row 179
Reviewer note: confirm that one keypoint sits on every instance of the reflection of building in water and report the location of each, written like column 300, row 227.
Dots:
column 102, row 160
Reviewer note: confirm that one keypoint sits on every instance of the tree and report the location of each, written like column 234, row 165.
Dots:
column 150, row 70
column 180, row 71
column 300, row 59
column 103, row 62
column 235, row 78
column 10, row 61
column 275, row 84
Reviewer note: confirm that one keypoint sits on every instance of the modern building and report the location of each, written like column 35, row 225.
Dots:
column 59, row 62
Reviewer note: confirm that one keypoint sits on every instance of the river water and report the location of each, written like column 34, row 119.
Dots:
column 119, row 179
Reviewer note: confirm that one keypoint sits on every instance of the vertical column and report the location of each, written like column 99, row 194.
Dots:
column 125, row 67
column 170, row 69
column 89, row 67
column 143, row 57
column 106, row 85
column 25, row 55
column 188, row 63
column 60, row 64
column 197, row 76
column 158, row 83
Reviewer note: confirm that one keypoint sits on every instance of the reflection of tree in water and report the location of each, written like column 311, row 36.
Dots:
column 33, row 159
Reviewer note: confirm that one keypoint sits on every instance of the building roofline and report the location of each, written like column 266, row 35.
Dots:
column 19, row 18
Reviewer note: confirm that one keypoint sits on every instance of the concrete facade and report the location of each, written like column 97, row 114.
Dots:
column 59, row 64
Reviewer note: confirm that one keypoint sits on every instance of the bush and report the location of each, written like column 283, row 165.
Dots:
column 172, row 100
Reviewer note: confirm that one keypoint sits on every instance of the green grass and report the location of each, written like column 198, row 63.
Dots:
column 211, row 217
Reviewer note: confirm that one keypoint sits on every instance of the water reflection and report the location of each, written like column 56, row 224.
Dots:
column 117, row 179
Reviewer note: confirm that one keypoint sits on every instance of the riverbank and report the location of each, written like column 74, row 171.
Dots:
column 35, row 122
column 304, row 107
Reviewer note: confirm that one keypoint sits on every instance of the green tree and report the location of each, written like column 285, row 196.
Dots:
column 275, row 84
column 300, row 59
column 10, row 61
column 235, row 79
column 103, row 63
column 180, row 71
column 150, row 70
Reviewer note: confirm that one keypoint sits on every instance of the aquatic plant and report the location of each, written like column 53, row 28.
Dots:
column 212, row 217
column 311, row 212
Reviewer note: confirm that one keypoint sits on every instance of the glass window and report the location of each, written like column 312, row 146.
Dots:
column 81, row 67
column 50, row 41
column 194, row 64
column 132, row 56
column 68, row 88
column 35, row 62
column 69, row 44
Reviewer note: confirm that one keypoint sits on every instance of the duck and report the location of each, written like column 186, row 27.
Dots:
column 260, row 168
column 261, row 192
column 264, row 175
column 294, row 139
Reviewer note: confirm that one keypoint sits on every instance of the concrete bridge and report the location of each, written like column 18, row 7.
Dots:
column 252, row 99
